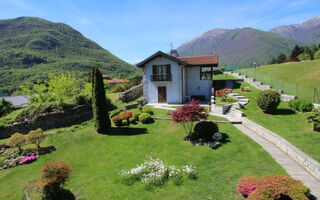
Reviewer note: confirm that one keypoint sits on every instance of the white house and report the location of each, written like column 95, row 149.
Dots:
column 171, row 79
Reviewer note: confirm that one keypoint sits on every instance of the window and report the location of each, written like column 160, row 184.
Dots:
column 206, row 73
column 161, row 73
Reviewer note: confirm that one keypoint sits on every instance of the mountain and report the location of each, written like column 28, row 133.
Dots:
column 238, row 47
column 31, row 48
column 306, row 32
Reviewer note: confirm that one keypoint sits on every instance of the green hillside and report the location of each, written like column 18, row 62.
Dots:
column 299, row 78
column 30, row 48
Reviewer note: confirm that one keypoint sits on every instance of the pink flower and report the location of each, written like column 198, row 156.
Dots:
column 28, row 159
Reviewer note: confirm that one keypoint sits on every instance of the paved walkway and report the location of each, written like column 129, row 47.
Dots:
column 291, row 167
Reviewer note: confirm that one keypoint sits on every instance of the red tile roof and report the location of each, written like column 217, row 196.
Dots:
column 200, row 60
column 118, row 81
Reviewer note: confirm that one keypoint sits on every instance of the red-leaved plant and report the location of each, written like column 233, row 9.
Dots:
column 272, row 187
column 188, row 114
column 223, row 93
column 53, row 177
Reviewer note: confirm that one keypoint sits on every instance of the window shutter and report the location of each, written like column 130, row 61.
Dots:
column 168, row 69
column 154, row 69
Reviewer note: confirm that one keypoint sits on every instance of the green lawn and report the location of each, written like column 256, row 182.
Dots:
column 223, row 77
column 119, row 104
column 299, row 78
column 291, row 126
column 96, row 160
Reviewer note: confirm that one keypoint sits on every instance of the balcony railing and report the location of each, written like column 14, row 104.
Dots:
column 161, row 77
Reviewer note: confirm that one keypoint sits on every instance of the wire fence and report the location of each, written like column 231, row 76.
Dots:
column 302, row 92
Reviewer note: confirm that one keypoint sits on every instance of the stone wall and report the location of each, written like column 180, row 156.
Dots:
column 131, row 94
column 47, row 121
column 312, row 166
column 260, row 86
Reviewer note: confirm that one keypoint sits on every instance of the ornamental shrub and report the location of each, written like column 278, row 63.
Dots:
column 294, row 104
column 17, row 140
column 116, row 120
column 205, row 129
column 145, row 118
column 306, row 106
column 136, row 116
column 53, row 177
column 246, row 185
column 36, row 137
column 125, row 115
column 188, row 114
column 132, row 120
column 124, row 122
column 147, row 109
column 300, row 105
column 279, row 187
column 314, row 118
column 268, row 100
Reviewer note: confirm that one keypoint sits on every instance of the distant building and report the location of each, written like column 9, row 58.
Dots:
column 113, row 81
column 19, row 101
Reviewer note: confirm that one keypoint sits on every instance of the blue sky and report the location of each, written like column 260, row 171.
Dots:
column 134, row 29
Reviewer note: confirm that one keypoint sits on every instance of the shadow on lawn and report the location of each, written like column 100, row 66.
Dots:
column 126, row 131
column 282, row 111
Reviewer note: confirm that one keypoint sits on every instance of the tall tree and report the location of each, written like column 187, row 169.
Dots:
column 295, row 52
column 99, row 103
column 281, row 58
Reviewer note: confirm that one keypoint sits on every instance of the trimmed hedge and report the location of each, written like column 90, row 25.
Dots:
column 145, row 118
column 268, row 100
column 300, row 105
column 205, row 129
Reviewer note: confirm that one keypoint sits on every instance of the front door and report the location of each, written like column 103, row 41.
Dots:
column 162, row 94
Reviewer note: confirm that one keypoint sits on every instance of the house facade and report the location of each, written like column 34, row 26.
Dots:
column 175, row 80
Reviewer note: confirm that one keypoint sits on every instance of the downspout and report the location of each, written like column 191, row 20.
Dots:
column 182, row 86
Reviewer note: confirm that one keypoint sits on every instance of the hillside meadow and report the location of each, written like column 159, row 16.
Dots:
column 299, row 78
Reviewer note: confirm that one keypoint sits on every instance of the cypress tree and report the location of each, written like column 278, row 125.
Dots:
column 99, row 103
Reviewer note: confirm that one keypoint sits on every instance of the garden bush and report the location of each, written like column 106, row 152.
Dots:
column 268, row 100
column 116, row 120
column 306, row 106
column 272, row 187
column 294, row 104
column 36, row 137
column 17, row 140
column 53, row 177
column 124, row 122
column 300, row 105
column 205, row 129
column 125, row 115
column 136, row 116
column 132, row 120
column 119, row 88
column 145, row 118
column 147, row 109
column 314, row 118
column 279, row 187
column 246, row 185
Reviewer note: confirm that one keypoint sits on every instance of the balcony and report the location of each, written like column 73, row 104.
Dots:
column 161, row 77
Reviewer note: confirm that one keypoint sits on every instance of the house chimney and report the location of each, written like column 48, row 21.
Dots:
column 174, row 52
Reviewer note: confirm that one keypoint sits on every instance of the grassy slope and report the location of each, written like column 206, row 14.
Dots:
column 293, row 127
column 97, row 159
column 305, row 74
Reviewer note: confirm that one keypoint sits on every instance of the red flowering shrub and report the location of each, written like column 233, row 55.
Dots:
column 277, row 187
column 188, row 114
column 223, row 93
column 246, row 185
column 53, row 177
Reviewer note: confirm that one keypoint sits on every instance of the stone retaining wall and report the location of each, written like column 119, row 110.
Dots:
column 47, row 121
column 312, row 166
column 260, row 86
column 131, row 94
